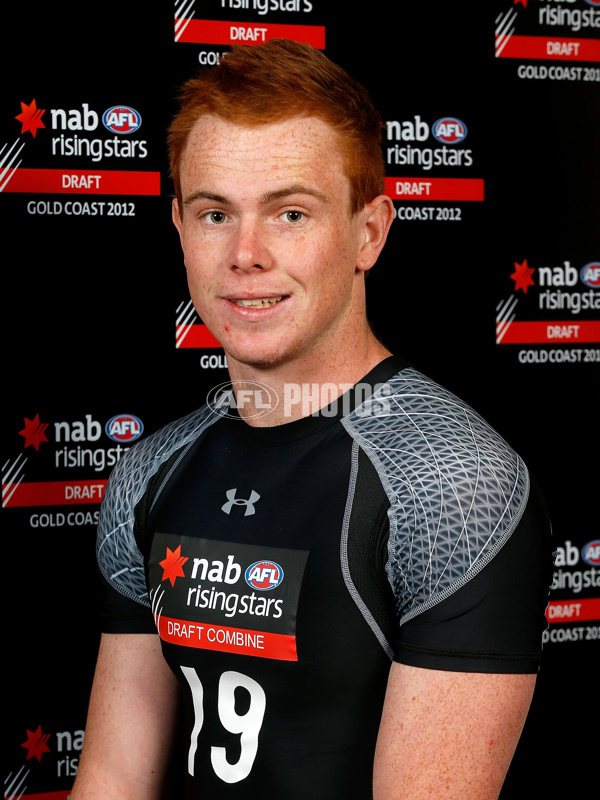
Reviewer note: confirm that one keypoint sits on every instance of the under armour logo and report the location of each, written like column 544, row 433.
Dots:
column 232, row 500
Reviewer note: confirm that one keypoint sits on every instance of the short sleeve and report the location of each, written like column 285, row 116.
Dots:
column 494, row 623
column 119, row 614
column 124, row 603
column 467, row 556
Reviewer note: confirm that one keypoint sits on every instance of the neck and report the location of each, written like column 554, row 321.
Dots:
column 269, row 395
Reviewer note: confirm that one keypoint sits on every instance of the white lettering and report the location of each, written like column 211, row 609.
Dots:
column 562, row 331
column 567, row 555
column 413, row 187
column 562, row 48
column 73, row 119
column 78, row 492
column 407, row 130
column 81, row 181
column 247, row 34
column 218, row 572
column 78, row 431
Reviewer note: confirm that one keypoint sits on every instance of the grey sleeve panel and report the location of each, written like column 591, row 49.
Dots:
column 119, row 558
column 456, row 488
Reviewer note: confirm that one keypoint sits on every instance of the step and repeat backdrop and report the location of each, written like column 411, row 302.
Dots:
column 490, row 282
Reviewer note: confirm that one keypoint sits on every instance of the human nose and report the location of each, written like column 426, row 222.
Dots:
column 250, row 250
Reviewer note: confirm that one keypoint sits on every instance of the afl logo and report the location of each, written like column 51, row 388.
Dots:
column 121, row 119
column 264, row 575
column 590, row 274
column 124, row 428
column 595, row 3
column 591, row 553
column 256, row 399
column 449, row 130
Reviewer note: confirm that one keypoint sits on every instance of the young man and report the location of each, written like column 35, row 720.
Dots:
column 344, row 586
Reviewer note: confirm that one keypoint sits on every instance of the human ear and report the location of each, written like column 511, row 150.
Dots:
column 378, row 216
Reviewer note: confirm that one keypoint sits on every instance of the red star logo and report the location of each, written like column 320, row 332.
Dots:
column 31, row 118
column 173, row 565
column 34, row 432
column 36, row 743
column 522, row 276
column 523, row 3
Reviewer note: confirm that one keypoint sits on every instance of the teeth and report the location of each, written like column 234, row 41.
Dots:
column 258, row 302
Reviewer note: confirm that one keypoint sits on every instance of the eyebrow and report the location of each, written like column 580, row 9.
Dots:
column 269, row 197
column 265, row 199
column 201, row 195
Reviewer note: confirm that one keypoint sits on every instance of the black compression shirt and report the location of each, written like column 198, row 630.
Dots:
column 284, row 568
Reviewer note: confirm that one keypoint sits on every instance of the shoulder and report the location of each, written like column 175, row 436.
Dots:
column 146, row 456
column 117, row 551
column 130, row 477
column 456, row 488
column 412, row 421
column 412, row 404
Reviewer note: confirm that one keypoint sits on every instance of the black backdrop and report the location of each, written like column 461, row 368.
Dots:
column 489, row 283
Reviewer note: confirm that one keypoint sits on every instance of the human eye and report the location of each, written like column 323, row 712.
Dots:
column 215, row 217
column 293, row 215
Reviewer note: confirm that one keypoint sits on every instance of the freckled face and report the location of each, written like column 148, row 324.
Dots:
column 269, row 243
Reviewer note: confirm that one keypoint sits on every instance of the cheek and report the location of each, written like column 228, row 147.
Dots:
column 339, row 263
column 330, row 253
column 198, row 276
column 199, row 256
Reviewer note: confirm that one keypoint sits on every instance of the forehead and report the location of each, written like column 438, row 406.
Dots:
column 298, row 150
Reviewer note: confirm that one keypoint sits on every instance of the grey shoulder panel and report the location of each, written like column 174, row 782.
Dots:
column 117, row 553
column 456, row 488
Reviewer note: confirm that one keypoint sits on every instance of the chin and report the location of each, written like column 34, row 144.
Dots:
column 255, row 360
column 258, row 357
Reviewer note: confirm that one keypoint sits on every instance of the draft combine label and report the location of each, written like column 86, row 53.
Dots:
column 226, row 596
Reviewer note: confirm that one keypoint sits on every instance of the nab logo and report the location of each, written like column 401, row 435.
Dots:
column 121, row 119
column 264, row 575
column 124, row 428
column 591, row 553
column 449, row 130
column 590, row 274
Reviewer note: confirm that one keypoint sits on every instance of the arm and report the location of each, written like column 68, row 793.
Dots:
column 130, row 721
column 448, row 735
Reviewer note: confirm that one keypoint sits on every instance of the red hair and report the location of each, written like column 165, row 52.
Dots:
column 262, row 84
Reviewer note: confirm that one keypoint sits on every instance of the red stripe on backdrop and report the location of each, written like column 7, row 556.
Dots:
column 80, row 181
column 211, row 31
column 55, row 493
column 444, row 189
column 191, row 336
column 541, row 48
column 550, row 332
column 580, row 610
